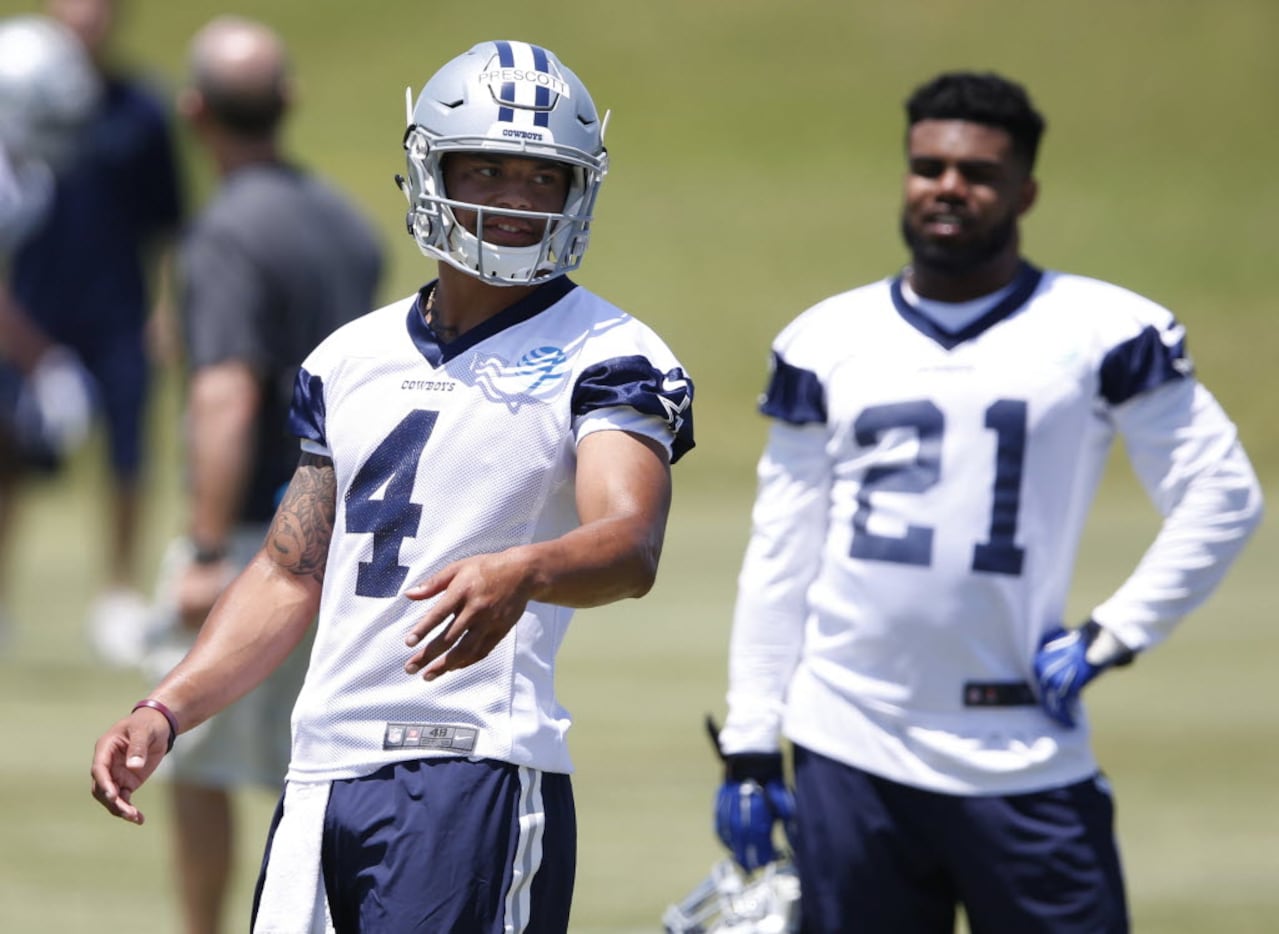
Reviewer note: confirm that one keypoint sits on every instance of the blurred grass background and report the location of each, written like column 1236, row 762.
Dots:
column 756, row 166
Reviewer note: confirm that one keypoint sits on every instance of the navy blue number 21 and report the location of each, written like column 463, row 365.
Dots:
column 999, row 554
column 393, row 517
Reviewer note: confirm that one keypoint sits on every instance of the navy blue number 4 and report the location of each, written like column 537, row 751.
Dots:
column 391, row 470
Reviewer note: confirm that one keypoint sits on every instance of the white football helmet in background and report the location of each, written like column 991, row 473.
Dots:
column 515, row 99
column 48, row 88
column 730, row 902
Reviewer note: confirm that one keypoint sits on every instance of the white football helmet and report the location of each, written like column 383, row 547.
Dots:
column 516, row 99
column 730, row 902
column 48, row 89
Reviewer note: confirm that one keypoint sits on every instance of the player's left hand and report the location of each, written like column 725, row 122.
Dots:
column 480, row 599
column 1069, row 659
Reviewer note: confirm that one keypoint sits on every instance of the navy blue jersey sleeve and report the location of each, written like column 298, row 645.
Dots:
column 1144, row 362
column 306, row 412
column 633, row 381
column 794, row 395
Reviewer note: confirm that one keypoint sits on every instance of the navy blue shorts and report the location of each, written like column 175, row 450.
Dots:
column 877, row 856
column 436, row 845
column 120, row 367
column 121, row 375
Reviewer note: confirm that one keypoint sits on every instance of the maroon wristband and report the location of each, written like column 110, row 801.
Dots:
column 168, row 715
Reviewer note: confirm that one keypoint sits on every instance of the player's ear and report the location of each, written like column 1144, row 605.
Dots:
column 1026, row 197
column 190, row 105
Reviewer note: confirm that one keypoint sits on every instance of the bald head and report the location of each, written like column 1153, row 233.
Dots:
column 240, row 69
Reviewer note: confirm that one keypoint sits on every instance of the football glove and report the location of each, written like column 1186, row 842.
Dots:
column 752, row 798
column 55, row 409
column 1068, row 659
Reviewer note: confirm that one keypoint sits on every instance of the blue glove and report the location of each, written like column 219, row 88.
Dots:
column 1064, row 664
column 752, row 798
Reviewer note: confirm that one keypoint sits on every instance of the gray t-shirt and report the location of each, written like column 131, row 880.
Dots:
column 276, row 262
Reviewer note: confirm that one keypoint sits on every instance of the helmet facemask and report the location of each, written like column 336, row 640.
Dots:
column 730, row 901
column 543, row 113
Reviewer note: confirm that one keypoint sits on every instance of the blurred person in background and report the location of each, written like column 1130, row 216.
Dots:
column 85, row 276
column 478, row 459
column 48, row 91
column 936, row 444
column 275, row 261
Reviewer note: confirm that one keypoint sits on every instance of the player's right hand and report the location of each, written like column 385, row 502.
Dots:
column 59, row 393
column 752, row 798
column 480, row 599
column 124, row 757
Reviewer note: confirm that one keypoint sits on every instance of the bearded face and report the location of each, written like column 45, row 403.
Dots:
column 965, row 191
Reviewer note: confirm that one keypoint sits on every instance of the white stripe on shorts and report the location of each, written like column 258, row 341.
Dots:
column 528, row 851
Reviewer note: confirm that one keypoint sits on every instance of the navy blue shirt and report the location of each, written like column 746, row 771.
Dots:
column 82, row 274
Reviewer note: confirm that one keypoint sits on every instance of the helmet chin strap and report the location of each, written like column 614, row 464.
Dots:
column 498, row 265
column 464, row 251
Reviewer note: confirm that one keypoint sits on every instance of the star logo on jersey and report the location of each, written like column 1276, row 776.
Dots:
column 675, row 399
column 535, row 377
column 1174, row 338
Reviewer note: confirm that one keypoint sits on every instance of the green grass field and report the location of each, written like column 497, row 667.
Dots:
column 756, row 163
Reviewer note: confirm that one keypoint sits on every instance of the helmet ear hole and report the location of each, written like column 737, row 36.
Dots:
column 512, row 99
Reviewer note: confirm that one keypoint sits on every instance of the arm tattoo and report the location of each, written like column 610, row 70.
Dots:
column 303, row 525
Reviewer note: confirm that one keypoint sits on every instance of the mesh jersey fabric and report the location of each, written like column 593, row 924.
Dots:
column 442, row 452
column 922, row 498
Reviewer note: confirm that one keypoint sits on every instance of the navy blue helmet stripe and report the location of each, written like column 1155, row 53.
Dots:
column 543, row 100
column 506, row 58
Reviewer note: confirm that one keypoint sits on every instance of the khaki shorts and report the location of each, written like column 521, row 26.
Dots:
column 249, row 742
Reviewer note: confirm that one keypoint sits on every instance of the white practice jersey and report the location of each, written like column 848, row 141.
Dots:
column 26, row 191
column 442, row 452
column 920, row 504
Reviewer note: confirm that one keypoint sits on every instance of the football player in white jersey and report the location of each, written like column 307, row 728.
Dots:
column 479, row 459
column 48, row 89
column 937, row 440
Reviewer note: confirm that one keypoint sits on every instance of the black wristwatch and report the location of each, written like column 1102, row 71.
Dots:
column 209, row 554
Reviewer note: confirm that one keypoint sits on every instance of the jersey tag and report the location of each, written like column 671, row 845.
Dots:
column 998, row 694
column 429, row 736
